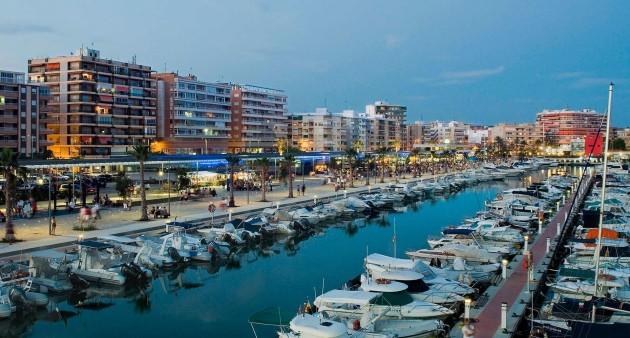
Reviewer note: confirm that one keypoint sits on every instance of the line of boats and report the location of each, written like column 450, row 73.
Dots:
column 589, row 294
column 414, row 297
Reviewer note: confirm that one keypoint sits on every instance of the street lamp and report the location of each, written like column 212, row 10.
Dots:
column 41, row 182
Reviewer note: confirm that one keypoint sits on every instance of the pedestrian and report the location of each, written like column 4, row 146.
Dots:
column 468, row 330
column 303, row 189
column 71, row 206
column 53, row 225
column 297, row 189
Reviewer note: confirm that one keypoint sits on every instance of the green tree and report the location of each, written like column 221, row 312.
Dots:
column 618, row 144
column 282, row 143
column 396, row 147
column 382, row 152
column 369, row 166
column 10, row 168
column 351, row 154
column 183, row 180
column 232, row 161
column 415, row 155
column 123, row 184
column 287, row 162
column 500, row 147
column 141, row 153
column 263, row 163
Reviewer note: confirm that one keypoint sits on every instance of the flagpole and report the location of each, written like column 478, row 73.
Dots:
column 394, row 237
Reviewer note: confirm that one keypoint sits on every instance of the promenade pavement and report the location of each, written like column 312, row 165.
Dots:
column 33, row 232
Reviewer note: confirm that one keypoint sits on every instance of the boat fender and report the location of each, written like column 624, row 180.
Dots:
column 382, row 281
column 356, row 325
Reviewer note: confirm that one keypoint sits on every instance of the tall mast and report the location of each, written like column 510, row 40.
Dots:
column 598, row 248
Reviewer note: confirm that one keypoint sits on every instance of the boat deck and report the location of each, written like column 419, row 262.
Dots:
column 515, row 290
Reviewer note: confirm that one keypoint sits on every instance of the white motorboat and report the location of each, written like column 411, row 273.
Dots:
column 321, row 325
column 355, row 303
column 409, row 270
column 448, row 253
column 409, row 281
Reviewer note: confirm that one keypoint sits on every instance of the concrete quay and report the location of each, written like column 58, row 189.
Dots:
column 33, row 232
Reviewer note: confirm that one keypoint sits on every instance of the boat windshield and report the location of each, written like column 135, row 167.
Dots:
column 393, row 298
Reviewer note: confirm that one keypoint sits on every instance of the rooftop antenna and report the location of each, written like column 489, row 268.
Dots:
column 164, row 66
column 133, row 59
column 325, row 104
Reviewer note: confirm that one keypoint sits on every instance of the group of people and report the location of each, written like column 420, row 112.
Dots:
column 159, row 212
column 25, row 209
column 303, row 189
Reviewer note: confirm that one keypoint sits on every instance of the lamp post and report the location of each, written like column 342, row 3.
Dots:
column 49, row 208
column 526, row 237
column 168, row 178
column 504, row 269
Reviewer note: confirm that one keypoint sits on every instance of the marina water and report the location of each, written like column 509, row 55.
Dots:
column 216, row 301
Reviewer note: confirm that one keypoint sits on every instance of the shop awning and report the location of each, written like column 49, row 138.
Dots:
column 106, row 98
column 122, row 89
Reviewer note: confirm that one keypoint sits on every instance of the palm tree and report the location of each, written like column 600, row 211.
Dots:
column 351, row 154
column 369, row 165
column 282, row 145
column 415, row 153
column 11, row 170
column 288, row 161
column 263, row 163
column 500, row 146
column 232, row 161
column 382, row 152
column 141, row 153
column 358, row 145
column 396, row 146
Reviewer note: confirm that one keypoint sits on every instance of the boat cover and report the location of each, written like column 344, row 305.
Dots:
column 346, row 297
column 385, row 261
column 119, row 239
column 386, row 285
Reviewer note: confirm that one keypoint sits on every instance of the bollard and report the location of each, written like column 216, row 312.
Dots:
column 504, row 269
column 277, row 205
column 345, row 193
column 467, row 302
column 566, row 216
column 563, row 200
column 540, row 227
column 558, row 229
column 548, row 245
column 558, row 206
column 526, row 240
column 229, row 214
column 315, row 199
column 504, row 316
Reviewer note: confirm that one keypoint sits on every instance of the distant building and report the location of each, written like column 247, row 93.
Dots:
column 258, row 118
column 24, row 112
column 513, row 133
column 390, row 111
column 478, row 135
column 561, row 127
column 318, row 131
column 193, row 116
column 101, row 107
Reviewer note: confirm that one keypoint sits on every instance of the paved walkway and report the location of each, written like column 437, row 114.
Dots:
column 33, row 232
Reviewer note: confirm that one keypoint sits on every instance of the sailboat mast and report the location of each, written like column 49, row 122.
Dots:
column 598, row 248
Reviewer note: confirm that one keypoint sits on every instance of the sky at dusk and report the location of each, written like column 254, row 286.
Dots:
column 481, row 62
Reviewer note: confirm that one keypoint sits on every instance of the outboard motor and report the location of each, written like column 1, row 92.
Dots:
column 18, row 297
column 174, row 254
column 135, row 267
column 76, row 281
column 129, row 273
column 245, row 236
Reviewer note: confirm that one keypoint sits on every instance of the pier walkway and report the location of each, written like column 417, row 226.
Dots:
column 517, row 289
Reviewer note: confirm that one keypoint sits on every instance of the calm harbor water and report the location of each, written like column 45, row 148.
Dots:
column 217, row 301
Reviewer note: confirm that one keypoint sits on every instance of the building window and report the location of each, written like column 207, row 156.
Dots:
column 23, row 89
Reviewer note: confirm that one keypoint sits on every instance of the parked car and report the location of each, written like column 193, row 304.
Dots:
column 25, row 187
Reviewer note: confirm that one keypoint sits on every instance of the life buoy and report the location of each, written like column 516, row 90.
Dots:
column 212, row 207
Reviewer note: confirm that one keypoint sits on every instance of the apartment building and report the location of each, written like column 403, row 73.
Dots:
column 24, row 113
column 258, row 118
column 318, row 131
column 193, row 116
column 561, row 127
column 390, row 111
column 101, row 107
column 624, row 134
column 514, row 133
column 358, row 127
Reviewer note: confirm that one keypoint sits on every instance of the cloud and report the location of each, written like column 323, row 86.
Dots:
column 24, row 28
column 451, row 78
column 587, row 82
column 394, row 40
